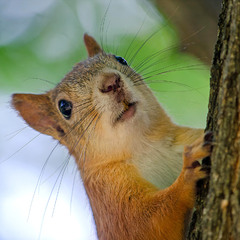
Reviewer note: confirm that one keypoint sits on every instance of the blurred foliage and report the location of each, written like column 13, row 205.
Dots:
column 40, row 42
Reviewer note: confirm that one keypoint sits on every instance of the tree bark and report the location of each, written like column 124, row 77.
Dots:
column 195, row 22
column 218, row 215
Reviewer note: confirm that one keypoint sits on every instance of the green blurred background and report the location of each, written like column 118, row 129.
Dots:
column 40, row 41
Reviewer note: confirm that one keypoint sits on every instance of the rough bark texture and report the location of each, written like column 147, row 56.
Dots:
column 221, row 214
column 195, row 22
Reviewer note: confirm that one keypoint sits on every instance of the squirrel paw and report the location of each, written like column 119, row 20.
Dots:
column 201, row 148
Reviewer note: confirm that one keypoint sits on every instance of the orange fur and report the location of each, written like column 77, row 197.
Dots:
column 122, row 162
column 125, row 206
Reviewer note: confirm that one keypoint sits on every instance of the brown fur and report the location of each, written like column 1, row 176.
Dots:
column 114, row 156
column 92, row 46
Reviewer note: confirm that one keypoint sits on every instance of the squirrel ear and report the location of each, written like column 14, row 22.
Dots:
column 37, row 111
column 92, row 46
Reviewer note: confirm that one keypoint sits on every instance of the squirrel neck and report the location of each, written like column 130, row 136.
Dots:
column 152, row 153
column 113, row 189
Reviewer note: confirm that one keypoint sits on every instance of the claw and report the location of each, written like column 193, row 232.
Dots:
column 208, row 137
column 201, row 148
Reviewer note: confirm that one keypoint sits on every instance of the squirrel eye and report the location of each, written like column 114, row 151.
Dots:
column 121, row 60
column 65, row 108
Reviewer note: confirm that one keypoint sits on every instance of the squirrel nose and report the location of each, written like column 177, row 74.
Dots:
column 111, row 82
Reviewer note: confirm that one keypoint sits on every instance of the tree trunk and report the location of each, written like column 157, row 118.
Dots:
column 220, row 218
column 195, row 22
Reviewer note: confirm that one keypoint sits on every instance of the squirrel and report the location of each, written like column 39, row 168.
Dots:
column 127, row 149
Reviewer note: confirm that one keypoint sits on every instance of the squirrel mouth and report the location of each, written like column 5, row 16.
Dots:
column 128, row 111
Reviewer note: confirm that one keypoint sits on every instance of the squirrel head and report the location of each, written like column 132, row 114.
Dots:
column 102, row 107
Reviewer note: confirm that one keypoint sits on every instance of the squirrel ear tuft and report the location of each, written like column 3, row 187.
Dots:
column 92, row 46
column 37, row 111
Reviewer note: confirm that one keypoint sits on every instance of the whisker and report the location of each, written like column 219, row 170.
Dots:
column 175, row 83
column 116, row 50
column 82, row 134
column 151, row 57
column 44, row 166
column 135, row 37
column 83, row 150
column 84, row 101
column 44, row 80
column 40, row 79
column 148, row 39
column 62, row 172
column 73, row 186
column 11, row 135
column 52, row 174
column 47, row 204
column 102, row 25
column 191, row 68
column 39, row 180
column 181, row 68
column 156, row 54
column 184, row 68
column 141, row 46
column 83, row 108
column 106, row 37
column 20, row 148
column 190, row 88
column 90, row 110
column 79, row 160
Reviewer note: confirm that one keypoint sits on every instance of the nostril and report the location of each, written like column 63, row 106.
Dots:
column 109, row 88
column 111, row 83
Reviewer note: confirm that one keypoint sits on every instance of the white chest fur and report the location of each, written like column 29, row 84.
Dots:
column 159, row 163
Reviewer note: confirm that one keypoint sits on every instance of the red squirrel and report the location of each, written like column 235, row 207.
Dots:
column 127, row 149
